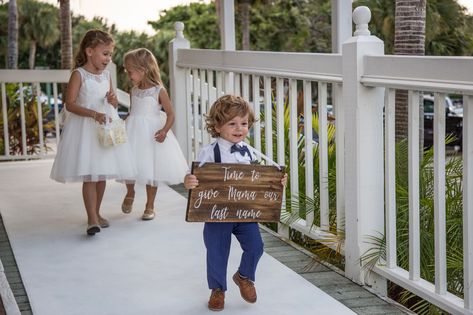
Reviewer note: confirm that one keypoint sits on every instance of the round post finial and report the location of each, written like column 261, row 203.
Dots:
column 361, row 18
column 179, row 28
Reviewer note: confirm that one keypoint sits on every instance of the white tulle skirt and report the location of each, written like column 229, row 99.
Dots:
column 155, row 162
column 81, row 158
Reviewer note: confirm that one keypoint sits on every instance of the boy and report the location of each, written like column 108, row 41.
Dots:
column 229, row 121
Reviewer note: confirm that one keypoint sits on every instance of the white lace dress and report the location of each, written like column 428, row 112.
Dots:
column 80, row 157
column 155, row 162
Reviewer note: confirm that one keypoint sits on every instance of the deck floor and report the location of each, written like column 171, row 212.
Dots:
column 137, row 267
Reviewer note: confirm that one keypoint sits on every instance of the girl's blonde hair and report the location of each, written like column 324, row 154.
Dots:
column 91, row 39
column 144, row 60
column 225, row 109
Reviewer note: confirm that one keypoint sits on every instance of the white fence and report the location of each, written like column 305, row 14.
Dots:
column 28, row 83
column 30, row 98
column 439, row 75
column 359, row 84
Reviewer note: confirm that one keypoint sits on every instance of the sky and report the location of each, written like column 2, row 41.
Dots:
column 126, row 15
column 134, row 14
column 468, row 4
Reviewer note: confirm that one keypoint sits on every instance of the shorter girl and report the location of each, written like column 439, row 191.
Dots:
column 157, row 153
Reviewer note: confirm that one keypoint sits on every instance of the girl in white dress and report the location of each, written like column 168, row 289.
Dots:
column 80, row 157
column 158, row 155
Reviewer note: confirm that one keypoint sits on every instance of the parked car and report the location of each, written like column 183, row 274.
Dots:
column 453, row 121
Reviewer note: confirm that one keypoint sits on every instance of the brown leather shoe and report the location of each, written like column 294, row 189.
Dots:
column 217, row 300
column 247, row 288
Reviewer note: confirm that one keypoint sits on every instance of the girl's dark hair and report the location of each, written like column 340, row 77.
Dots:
column 225, row 109
column 91, row 39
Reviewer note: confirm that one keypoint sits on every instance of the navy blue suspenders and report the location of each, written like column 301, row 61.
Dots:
column 217, row 157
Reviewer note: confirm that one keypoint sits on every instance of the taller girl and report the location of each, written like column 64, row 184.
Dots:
column 80, row 156
column 157, row 153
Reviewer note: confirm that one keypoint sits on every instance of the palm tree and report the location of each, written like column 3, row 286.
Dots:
column 66, row 39
column 218, row 5
column 409, row 39
column 448, row 32
column 39, row 26
column 12, row 62
column 66, row 34
column 245, row 6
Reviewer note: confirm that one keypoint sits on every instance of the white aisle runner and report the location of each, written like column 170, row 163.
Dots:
column 133, row 267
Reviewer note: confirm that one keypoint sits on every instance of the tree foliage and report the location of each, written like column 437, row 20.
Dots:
column 38, row 26
column 200, row 20
column 449, row 28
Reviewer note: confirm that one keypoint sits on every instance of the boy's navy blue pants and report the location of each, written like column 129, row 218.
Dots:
column 217, row 239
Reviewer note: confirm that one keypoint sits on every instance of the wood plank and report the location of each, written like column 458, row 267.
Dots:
column 381, row 310
column 16, row 300
column 338, row 287
column 327, row 277
column 274, row 244
column 7, row 297
column 277, row 249
column 303, row 267
column 352, row 295
column 363, row 302
column 288, row 256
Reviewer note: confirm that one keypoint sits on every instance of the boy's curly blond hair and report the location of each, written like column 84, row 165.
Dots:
column 225, row 109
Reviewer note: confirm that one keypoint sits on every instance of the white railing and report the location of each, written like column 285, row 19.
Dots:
column 438, row 75
column 361, row 83
column 29, row 88
column 28, row 82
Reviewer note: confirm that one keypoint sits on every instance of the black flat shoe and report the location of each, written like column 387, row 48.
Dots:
column 92, row 229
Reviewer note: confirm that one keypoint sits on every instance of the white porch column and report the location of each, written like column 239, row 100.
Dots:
column 227, row 25
column 364, row 175
column 177, row 82
column 112, row 68
column 341, row 24
column 227, row 36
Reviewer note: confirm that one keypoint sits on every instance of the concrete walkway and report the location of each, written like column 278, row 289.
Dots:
column 133, row 267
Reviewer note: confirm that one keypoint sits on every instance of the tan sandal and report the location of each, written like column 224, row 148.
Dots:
column 126, row 208
column 103, row 222
column 148, row 214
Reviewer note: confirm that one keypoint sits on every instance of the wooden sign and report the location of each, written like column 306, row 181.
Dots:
column 235, row 193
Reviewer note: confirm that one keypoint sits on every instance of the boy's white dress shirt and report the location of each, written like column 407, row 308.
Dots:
column 206, row 154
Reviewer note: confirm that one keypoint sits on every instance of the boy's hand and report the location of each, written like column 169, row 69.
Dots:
column 190, row 181
column 284, row 179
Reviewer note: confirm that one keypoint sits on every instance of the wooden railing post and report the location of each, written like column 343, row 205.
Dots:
column 177, row 82
column 364, row 175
